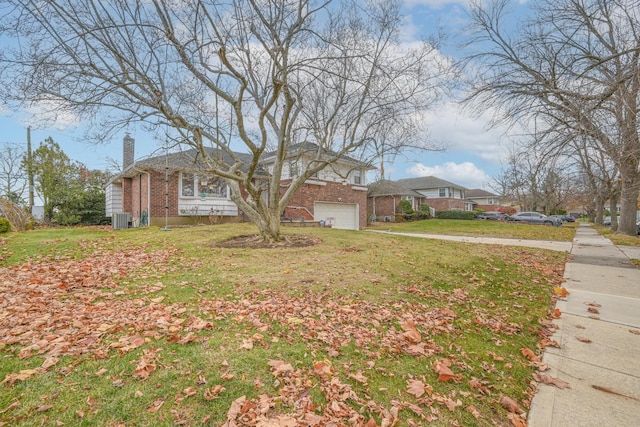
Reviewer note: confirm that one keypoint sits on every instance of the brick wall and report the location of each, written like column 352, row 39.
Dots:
column 157, row 197
column 384, row 206
column 446, row 204
column 127, row 204
column 333, row 192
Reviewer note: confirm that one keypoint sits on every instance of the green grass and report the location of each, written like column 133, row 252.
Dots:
column 617, row 239
column 211, row 317
column 458, row 227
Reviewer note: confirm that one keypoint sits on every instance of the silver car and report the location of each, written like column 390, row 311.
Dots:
column 535, row 218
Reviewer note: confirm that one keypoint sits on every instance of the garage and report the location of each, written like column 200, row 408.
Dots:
column 340, row 215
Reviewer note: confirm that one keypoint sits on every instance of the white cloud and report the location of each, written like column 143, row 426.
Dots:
column 466, row 174
column 52, row 114
column 460, row 132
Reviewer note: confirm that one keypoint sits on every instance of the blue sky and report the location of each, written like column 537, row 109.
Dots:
column 472, row 157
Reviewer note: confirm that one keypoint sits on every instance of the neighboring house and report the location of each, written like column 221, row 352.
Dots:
column 384, row 196
column 384, row 199
column 485, row 200
column 175, row 189
column 439, row 194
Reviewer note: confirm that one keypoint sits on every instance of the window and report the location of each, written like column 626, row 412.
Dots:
column 201, row 186
column 293, row 169
column 442, row 192
column 188, row 184
column 357, row 177
column 409, row 198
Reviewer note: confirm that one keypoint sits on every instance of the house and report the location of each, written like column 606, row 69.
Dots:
column 485, row 200
column 174, row 189
column 385, row 196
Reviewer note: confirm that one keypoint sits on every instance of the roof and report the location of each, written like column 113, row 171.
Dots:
column 296, row 150
column 183, row 160
column 478, row 192
column 192, row 159
column 389, row 188
column 426, row 182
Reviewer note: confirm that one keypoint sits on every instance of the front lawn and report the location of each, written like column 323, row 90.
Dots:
column 147, row 327
column 501, row 229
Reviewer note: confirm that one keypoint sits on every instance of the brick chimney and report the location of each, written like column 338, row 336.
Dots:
column 128, row 151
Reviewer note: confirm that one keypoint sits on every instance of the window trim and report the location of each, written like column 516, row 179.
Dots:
column 195, row 187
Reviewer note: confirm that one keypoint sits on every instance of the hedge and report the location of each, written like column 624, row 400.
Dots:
column 454, row 214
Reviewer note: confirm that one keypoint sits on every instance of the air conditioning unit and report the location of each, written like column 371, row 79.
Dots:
column 120, row 220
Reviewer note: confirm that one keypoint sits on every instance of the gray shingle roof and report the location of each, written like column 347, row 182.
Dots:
column 478, row 192
column 426, row 182
column 183, row 160
column 389, row 188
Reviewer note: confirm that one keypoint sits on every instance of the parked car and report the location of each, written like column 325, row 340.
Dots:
column 492, row 216
column 535, row 218
column 564, row 218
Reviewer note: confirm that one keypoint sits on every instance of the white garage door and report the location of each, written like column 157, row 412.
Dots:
column 343, row 215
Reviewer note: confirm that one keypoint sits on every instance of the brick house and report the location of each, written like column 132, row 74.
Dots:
column 384, row 196
column 170, row 189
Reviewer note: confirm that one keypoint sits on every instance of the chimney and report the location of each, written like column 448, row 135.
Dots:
column 128, row 151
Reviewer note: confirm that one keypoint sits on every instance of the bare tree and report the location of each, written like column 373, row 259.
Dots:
column 537, row 181
column 575, row 63
column 250, row 76
column 13, row 177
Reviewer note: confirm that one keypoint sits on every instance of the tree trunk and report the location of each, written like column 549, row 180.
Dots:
column 613, row 210
column 629, row 204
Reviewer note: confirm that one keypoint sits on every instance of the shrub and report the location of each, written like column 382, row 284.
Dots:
column 405, row 207
column 416, row 216
column 454, row 215
column 5, row 226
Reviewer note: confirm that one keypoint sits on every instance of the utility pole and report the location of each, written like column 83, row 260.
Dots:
column 30, row 170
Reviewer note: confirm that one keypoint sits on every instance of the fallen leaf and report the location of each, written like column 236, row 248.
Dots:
column 49, row 361
column 189, row 391
column 410, row 332
column 517, row 420
column 561, row 292
column 583, row 339
column 529, row 354
column 444, row 373
column 555, row 314
column 10, row 407
column 549, row 380
column 474, row 411
column 593, row 310
column 213, row 392
column 510, row 405
column 235, row 409
column 23, row 375
column 279, row 367
column 156, row 406
column 322, row 369
column 43, row 408
column 634, row 331
column 416, row 388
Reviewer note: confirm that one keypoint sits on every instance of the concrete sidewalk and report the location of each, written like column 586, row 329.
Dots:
column 599, row 349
